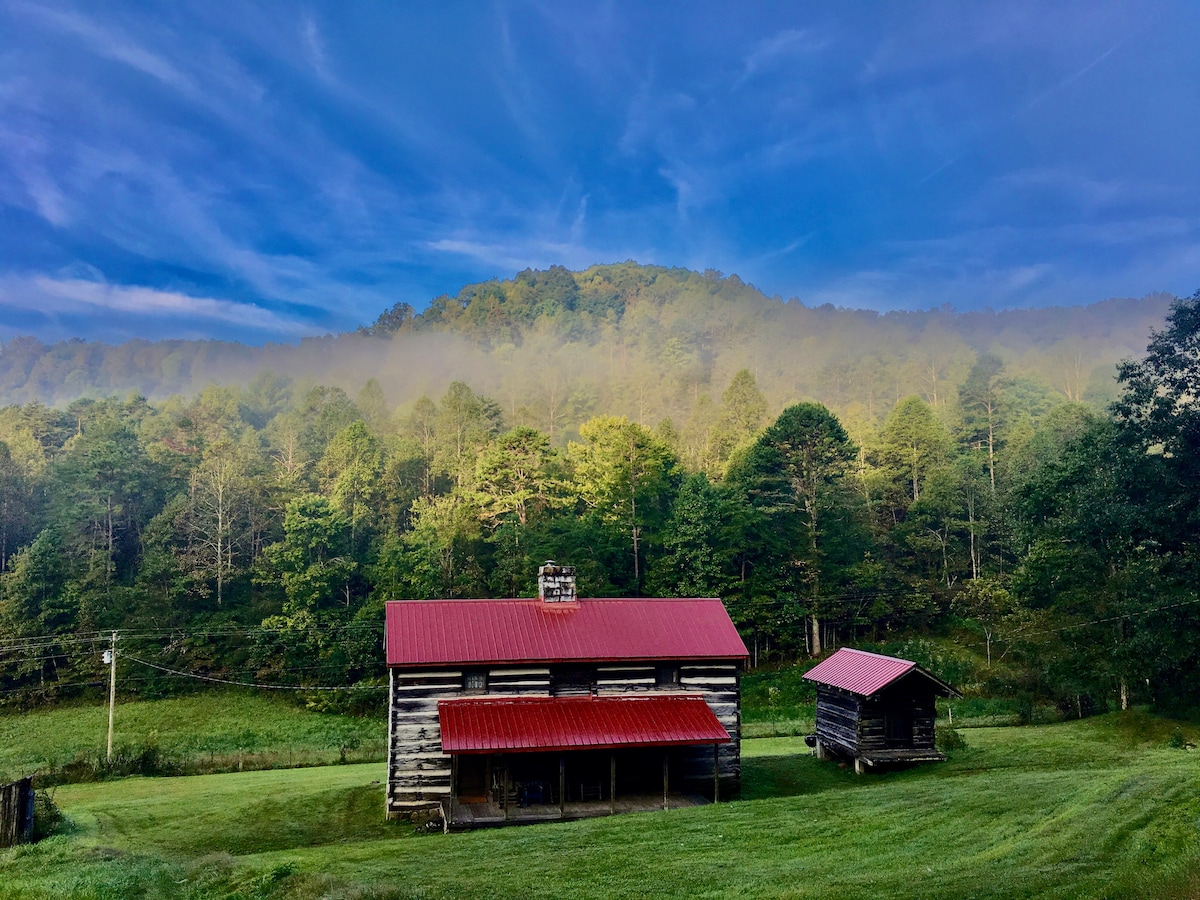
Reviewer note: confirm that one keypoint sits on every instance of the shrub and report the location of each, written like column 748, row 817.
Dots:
column 47, row 817
column 948, row 739
column 1176, row 740
column 148, row 759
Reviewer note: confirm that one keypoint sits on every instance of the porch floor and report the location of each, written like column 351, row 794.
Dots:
column 487, row 815
column 883, row 757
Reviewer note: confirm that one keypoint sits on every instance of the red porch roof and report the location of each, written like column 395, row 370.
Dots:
column 863, row 673
column 530, row 724
column 458, row 632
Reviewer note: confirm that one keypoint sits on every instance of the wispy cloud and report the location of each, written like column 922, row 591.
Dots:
column 511, row 256
column 314, row 44
column 790, row 42
column 1071, row 78
column 109, row 42
column 55, row 296
column 907, row 287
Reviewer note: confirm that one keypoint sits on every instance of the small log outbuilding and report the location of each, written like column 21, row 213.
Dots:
column 560, row 707
column 876, row 710
column 16, row 812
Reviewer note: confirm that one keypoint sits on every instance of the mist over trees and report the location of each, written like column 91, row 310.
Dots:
column 834, row 476
column 555, row 348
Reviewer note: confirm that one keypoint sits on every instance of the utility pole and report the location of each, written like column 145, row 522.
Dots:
column 112, row 690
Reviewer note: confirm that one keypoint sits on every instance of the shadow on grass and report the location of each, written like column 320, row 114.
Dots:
column 795, row 775
column 281, row 822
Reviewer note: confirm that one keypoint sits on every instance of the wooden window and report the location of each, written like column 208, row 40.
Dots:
column 475, row 681
column 666, row 676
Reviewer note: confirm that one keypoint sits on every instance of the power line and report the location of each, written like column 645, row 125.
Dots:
column 1106, row 620
column 271, row 687
column 54, row 684
column 44, row 641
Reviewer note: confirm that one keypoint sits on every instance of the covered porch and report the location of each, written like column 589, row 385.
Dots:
column 520, row 760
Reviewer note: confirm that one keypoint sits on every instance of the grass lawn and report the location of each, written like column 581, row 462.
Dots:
column 1099, row 808
column 219, row 731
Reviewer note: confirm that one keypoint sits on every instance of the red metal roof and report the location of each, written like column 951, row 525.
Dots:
column 858, row 671
column 529, row 724
column 457, row 632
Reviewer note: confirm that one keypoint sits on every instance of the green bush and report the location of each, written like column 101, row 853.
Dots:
column 47, row 817
column 148, row 759
column 948, row 739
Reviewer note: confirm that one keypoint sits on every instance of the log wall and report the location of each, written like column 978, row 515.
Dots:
column 838, row 717
column 16, row 812
column 721, row 684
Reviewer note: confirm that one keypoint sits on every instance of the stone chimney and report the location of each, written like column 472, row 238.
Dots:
column 556, row 584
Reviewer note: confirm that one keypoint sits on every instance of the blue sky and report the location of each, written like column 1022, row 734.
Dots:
column 269, row 170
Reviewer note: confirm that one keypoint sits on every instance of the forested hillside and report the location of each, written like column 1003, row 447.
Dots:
column 555, row 348
column 833, row 475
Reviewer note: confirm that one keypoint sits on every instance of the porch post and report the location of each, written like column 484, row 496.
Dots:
column 612, row 782
column 666, row 779
column 716, row 773
column 562, row 784
column 453, row 783
column 504, row 787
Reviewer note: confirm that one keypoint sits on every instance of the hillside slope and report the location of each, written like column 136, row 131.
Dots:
column 641, row 340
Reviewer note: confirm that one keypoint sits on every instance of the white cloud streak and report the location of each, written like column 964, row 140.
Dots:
column 51, row 296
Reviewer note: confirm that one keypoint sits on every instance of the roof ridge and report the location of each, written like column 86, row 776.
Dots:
column 590, row 698
column 552, row 602
column 876, row 655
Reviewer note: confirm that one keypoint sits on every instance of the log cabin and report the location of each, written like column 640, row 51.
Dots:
column 560, row 707
column 877, row 710
column 16, row 812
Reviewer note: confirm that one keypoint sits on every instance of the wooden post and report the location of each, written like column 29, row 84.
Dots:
column 453, row 785
column 612, row 782
column 860, row 767
column 504, row 787
column 112, row 692
column 716, row 773
column 666, row 780
column 562, row 784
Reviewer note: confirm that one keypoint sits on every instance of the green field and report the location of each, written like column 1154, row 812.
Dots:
column 1098, row 808
column 219, row 731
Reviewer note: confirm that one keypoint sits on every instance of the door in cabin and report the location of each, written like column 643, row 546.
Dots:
column 898, row 726
column 472, row 779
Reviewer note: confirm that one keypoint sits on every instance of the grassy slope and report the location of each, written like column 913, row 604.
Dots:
column 218, row 727
column 1086, row 809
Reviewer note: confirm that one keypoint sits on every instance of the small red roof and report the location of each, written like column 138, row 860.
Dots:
column 530, row 724
column 863, row 673
column 477, row 632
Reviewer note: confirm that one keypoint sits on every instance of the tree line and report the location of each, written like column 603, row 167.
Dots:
column 254, row 532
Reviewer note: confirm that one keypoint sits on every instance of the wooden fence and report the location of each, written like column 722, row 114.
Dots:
column 16, row 812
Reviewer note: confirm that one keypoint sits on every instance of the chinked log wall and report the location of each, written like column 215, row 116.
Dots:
column 838, row 720
column 16, row 812
column 419, row 772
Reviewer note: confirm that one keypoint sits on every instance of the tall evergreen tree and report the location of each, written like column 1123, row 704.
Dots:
column 789, row 475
